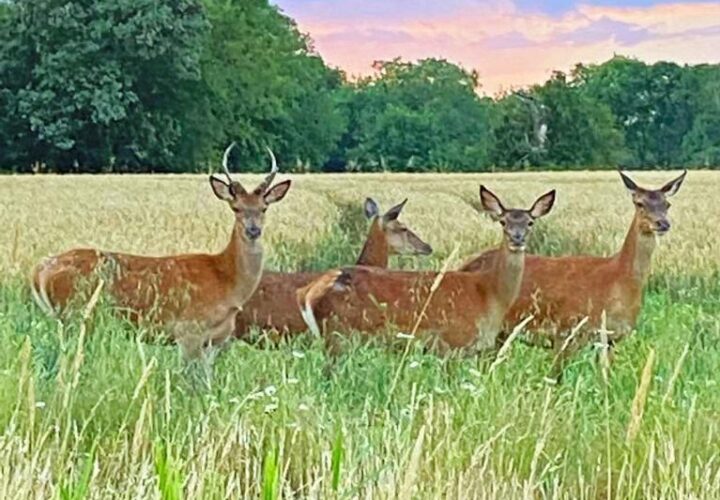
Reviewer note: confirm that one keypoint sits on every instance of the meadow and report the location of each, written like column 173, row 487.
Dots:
column 88, row 410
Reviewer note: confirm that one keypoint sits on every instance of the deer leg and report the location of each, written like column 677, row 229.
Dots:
column 609, row 350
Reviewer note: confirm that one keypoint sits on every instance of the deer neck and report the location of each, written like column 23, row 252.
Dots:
column 509, row 268
column 635, row 256
column 375, row 251
column 243, row 260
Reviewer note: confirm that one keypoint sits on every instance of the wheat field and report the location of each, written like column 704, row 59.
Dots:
column 88, row 410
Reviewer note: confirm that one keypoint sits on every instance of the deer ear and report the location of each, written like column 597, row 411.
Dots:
column 277, row 192
column 394, row 212
column 543, row 205
column 491, row 204
column 673, row 186
column 629, row 184
column 371, row 208
column 222, row 190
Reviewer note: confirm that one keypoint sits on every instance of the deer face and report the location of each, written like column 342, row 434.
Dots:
column 516, row 223
column 249, row 207
column 400, row 239
column 651, row 205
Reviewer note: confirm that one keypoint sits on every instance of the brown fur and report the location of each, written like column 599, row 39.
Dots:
column 465, row 311
column 561, row 291
column 273, row 306
column 194, row 297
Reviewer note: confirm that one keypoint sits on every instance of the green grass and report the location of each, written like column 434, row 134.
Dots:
column 101, row 414
column 271, row 423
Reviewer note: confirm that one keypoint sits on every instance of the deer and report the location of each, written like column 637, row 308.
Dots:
column 273, row 306
column 455, row 311
column 193, row 298
column 560, row 292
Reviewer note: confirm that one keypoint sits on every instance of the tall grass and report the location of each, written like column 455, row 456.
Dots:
column 87, row 410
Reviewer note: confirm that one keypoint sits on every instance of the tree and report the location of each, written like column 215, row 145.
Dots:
column 651, row 104
column 581, row 130
column 555, row 124
column 423, row 116
column 701, row 145
column 520, row 131
column 100, row 84
column 267, row 87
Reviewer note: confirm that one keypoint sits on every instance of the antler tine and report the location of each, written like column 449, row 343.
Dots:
column 226, row 156
column 264, row 185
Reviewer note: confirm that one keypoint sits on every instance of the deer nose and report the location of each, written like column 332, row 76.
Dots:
column 426, row 250
column 662, row 226
column 253, row 232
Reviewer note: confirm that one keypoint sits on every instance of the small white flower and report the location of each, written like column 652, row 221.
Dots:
column 468, row 386
column 303, row 407
column 40, row 404
column 401, row 335
column 292, row 381
column 413, row 364
column 270, row 390
column 298, row 354
column 406, row 412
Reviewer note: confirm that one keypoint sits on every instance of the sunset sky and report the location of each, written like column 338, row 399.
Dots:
column 510, row 42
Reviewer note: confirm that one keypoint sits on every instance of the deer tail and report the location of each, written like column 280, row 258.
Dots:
column 310, row 295
column 38, row 288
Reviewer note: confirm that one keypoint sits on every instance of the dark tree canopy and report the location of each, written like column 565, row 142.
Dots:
column 160, row 85
column 100, row 84
column 424, row 116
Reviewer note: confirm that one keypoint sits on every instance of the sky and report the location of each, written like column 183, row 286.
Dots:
column 511, row 43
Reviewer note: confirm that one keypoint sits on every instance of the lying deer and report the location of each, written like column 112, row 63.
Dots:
column 561, row 291
column 464, row 311
column 273, row 307
column 194, row 297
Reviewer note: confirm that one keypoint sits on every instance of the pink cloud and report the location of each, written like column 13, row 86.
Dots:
column 508, row 46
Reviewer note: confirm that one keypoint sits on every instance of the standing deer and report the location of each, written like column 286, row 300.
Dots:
column 561, row 291
column 193, row 297
column 273, row 305
column 465, row 310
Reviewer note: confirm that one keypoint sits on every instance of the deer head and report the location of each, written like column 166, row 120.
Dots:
column 400, row 239
column 516, row 223
column 651, row 205
column 249, row 206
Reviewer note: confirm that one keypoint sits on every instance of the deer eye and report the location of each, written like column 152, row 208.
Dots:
column 639, row 204
column 503, row 223
column 530, row 223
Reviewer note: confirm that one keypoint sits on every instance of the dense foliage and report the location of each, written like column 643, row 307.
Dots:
column 140, row 85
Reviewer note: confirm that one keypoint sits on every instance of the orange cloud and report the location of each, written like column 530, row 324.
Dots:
column 511, row 47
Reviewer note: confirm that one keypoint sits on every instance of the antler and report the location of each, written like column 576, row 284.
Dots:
column 226, row 156
column 264, row 185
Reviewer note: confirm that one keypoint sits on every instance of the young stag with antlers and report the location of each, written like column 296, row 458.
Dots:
column 273, row 306
column 194, row 297
column 561, row 291
column 465, row 310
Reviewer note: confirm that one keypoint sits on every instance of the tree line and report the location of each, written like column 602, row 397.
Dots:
column 165, row 85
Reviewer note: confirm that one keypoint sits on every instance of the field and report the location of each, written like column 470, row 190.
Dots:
column 87, row 410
